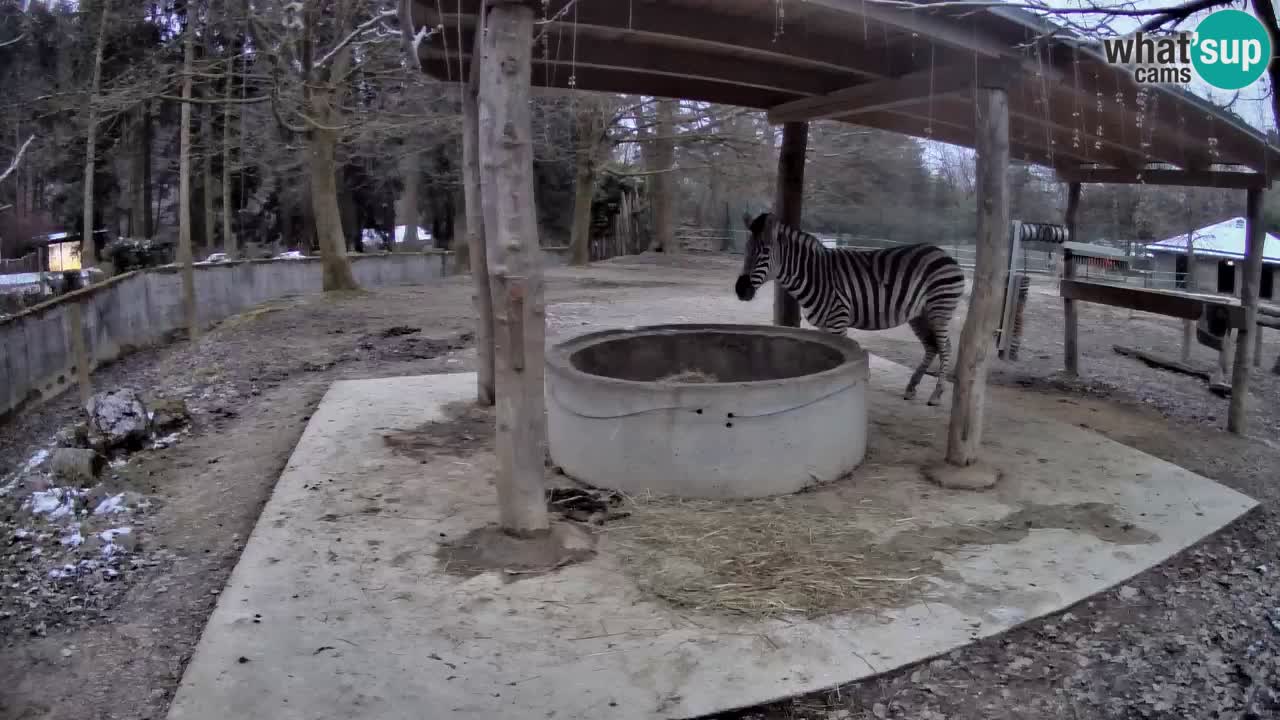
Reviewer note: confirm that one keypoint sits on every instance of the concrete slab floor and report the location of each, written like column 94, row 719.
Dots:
column 338, row 609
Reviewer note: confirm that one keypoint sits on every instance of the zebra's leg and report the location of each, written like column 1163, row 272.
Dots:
column 921, row 328
column 941, row 333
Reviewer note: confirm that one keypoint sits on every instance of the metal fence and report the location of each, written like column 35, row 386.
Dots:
column 28, row 263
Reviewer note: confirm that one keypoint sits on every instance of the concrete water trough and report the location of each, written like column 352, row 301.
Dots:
column 707, row 411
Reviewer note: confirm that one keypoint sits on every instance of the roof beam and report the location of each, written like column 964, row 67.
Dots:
column 669, row 24
column 1185, row 178
column 628, row 54
column 943, row 30
column 894, row 92
column 633, row 81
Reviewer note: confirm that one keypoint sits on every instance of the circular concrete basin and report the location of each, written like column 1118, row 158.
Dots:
column 707, row 411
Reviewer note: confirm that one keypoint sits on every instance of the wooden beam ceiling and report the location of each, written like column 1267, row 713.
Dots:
column 676, row 26
column 636, row 80
column 626, row 54
column 894, row 92
column 1186, row 178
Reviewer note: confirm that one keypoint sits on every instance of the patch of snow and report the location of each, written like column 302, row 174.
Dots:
column 21, row 533
column 36, row 460
column 56, row 502
column 166, row 441
column 73, row 537
column 112, row 505
column 109, row 547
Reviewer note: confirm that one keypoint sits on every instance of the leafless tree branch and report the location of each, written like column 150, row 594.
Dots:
column 17, row 159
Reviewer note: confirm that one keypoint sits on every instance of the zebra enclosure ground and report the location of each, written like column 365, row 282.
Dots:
column 841, row 288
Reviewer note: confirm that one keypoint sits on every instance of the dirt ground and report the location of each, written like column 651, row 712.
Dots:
column 1198, row 637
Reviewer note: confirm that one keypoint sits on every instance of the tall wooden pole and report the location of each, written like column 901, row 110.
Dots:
column 1070, row 328
column 514, row 262
column 788, row 203
column 480, row 298
column 1251, row 279
column 964, row 434
column 1189, row 326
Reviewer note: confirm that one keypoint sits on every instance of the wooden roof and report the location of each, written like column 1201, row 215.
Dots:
column 871, row 64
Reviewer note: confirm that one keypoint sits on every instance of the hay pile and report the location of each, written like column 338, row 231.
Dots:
column 766, row 557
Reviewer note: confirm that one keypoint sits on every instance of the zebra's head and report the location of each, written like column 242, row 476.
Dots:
column 757, row 265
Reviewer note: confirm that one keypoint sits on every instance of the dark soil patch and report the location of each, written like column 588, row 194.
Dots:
column 490, row 548
column 391, row 346
column 468, row 429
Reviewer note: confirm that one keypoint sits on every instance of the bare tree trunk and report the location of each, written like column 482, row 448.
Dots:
column 964, row 433
column 139, row 209
column 407, row 213
column 322, row 146
column 506, row 162
column 206, row 178
column 229, row 244
column 150, row 214
column 88, row 253
column 324, row 203
column 663, row 198
column 477, row 250
column 588, row 132
column 184, row 187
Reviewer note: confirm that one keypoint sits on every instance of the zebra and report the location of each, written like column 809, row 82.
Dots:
column 842, row 288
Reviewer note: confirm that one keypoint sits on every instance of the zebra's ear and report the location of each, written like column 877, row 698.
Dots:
column 747, row 219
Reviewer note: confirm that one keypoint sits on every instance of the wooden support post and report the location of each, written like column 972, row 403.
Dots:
column 1257, row 345
column 1189, row 326
column 1070, row 328
column 964, row 434
column 514, row 263
column 1237, row 420
column 79, row 353
column 480, row 296
column 788, row 201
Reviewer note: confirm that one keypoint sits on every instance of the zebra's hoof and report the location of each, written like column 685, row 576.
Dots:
column 935, row 401
column 909, row 395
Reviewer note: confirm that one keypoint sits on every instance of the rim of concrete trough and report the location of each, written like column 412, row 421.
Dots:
column 559, row 356
column 740, row 438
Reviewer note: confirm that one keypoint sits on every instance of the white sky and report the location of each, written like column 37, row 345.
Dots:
column 1253, row 104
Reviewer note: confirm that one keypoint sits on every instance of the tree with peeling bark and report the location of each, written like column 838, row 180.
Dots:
column 515, row 274
column 185, row 255
column 316, row 47
column 88, row 251
column 591, row 132
column 662, row 198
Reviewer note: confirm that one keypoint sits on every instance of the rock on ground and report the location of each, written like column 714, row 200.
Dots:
column 169, row 414
column 76, row 465
column 119, row 418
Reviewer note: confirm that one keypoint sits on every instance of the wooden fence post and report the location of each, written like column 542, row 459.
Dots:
column 514, row 264
column 480, row 297
column 788, row 204
column 1237, row 418
column 964, row 435
column 79, row 352
column 1070, row 328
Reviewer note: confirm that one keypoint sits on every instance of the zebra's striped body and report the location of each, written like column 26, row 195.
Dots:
column 842, row 288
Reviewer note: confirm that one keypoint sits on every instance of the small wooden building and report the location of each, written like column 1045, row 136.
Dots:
column 1219, row 251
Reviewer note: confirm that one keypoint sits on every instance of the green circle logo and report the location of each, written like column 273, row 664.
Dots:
column 1232, row 49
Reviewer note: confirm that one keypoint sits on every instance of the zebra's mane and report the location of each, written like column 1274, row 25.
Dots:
column 806, row 240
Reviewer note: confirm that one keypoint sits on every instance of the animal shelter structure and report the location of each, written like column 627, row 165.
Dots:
column 693, row 606
column 999, row 80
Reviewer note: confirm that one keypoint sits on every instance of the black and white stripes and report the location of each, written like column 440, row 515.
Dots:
column 842, row 288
